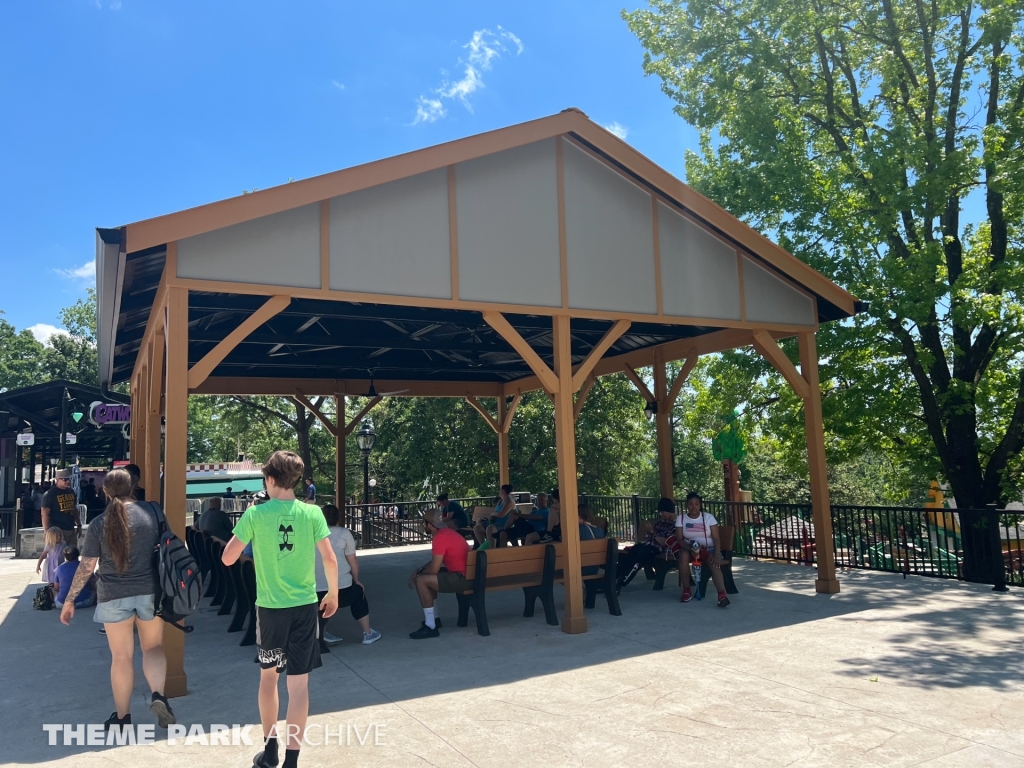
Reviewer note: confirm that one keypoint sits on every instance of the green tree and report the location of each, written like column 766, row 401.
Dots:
column 858, row 133
column 72, row 356
column 20, row 355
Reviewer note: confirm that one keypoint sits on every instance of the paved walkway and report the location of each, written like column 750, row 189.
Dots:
column 888, row 673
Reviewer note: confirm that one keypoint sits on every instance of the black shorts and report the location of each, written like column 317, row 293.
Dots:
column 288, row 638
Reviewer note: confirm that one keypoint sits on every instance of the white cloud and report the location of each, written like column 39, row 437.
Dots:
column 43, row 332
column 618, row 129
column 115, row 5
column 84, row 273
column 484, row 46
column 339, row 86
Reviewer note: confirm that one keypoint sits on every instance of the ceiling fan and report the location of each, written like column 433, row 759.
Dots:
column 374, row 393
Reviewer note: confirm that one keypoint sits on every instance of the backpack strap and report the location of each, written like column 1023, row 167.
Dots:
column 161, row 520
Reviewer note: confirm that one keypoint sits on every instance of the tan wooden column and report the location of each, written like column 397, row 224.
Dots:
column 154, row 416
column 175, row 459
column 663, row 428
column 137, row 437
column 573, row 620
column 503, row 476
column 339, row 452
column 821, row 505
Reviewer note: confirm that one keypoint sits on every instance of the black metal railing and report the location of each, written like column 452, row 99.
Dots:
column 8, row 530
column 624, row 514
column 397, row 523
column 770, row 531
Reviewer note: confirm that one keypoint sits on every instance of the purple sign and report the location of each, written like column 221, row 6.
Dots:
column 109, row 413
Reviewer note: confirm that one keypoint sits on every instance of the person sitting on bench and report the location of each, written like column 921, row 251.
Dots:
column 697, row 532
column 215, row 521
column 553, row 532
column 660, row 541
column 446, row 571
column 452, row 513
column 499, row 521
column 524, row 524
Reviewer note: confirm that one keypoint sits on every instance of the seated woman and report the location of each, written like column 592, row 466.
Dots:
column 660, row 541
column 350, row 590
column 497, row 522
column 697, row 532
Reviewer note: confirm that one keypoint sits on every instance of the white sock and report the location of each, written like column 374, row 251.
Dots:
column 428, row 617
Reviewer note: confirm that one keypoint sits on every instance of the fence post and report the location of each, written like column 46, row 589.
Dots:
column 366, row 527
column 636, row 517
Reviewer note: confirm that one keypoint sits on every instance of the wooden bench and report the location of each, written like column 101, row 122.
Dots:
column 602, row 554
column 663, row 566
column 528, row 568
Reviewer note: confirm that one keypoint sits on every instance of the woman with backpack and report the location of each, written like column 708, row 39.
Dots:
column 122, row 540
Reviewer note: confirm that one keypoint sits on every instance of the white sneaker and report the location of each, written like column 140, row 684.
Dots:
column 331, row 639
column 371, row 637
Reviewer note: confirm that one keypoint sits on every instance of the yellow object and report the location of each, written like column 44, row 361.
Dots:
column 937, row 500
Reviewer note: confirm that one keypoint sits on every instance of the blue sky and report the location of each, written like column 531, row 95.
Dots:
column 119, row 110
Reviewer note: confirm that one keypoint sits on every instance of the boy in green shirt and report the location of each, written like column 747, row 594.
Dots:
column 284, row 533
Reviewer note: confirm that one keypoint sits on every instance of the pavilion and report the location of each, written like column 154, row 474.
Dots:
column 538, row 256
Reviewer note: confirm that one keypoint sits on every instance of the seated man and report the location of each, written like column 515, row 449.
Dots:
column 553, row 530
column 215, row 521
column 697, row 532
column 452, row 513
column 446, row 571
column 63, row 578
column 523, row 524
column 660, row 541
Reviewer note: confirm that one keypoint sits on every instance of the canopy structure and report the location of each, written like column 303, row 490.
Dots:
column 40, row 409
column 538, row 256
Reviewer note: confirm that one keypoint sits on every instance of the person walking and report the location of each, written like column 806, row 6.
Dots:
column 60, row 508
column 285, row 534
column 121, row 541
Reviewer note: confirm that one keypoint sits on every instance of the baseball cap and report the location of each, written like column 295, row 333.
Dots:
column 433, row 516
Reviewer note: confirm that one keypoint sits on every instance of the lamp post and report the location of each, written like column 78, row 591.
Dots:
column 365, row 438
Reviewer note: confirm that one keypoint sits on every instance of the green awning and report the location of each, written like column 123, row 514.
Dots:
column 218, row 486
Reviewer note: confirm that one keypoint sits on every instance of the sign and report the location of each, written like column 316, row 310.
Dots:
column 126, row 430
column 101, row 413
column 70, row 438
column 26, row 438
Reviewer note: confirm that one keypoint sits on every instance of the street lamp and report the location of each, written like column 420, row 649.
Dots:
column 365, row 438
column 651, row 410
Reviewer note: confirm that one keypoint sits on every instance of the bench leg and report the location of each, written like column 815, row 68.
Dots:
column 530, row 594
column 229, row 592
column 730, row 584
column 241, row 603
column 660, row 572
column 480, row 613
column 465, row 602
column 608, row 585
column 591, row 593
column 547, row 598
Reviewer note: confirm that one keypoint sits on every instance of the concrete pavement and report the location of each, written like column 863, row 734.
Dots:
column 890, row 672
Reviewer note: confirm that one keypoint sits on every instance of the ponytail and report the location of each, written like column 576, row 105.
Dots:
column 117, row 486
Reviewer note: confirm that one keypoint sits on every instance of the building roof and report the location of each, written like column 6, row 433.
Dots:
column 389, row 265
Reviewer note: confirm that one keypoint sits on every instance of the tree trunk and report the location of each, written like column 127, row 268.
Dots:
column 303, row 422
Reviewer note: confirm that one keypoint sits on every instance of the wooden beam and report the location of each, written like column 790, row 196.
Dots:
column 681, row 377
column 547, row 377
column 285, row 387
column 175, row 459
column 201, row 370
column 772, row 352
column 584, row 369
column 309, row 406
column 340, row 490
column 821, row 507
column 491, row 421
column 154, row 416
column 581, row 397
column 639, row 383
column 362, row 414
column 506, row 424
column 574, row 620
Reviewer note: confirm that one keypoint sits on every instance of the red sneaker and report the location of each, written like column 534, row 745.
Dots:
column 685, row 597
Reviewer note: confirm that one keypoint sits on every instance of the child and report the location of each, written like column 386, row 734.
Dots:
column 285, row 533
column 63, row 578
column 53, row 554
column 350, row 590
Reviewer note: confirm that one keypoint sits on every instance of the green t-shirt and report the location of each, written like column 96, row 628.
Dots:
column 284, row 536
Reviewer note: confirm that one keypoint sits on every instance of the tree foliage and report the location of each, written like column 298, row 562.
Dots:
column 881, row 142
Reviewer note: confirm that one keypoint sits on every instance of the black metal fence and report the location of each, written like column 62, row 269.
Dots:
column 8, row 529
column 392, row 524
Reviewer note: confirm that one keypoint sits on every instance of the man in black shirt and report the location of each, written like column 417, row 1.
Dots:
column 60, row 508
column 452, row 512
column 139, row 494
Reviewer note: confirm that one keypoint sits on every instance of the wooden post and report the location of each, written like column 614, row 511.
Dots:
column 154, row 410
column 339, row 452
column 820, row 502
column 666, row 471
column 502, row 442
column 137, row 436
column 175, row 459
column 573, row 620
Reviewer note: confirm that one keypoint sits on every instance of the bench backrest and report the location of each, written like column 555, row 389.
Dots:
column 726, row 533
column 508, row 561
column 593, row 552
column 482, row 513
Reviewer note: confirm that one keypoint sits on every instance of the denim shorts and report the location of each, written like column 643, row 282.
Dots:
column 114, row 611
